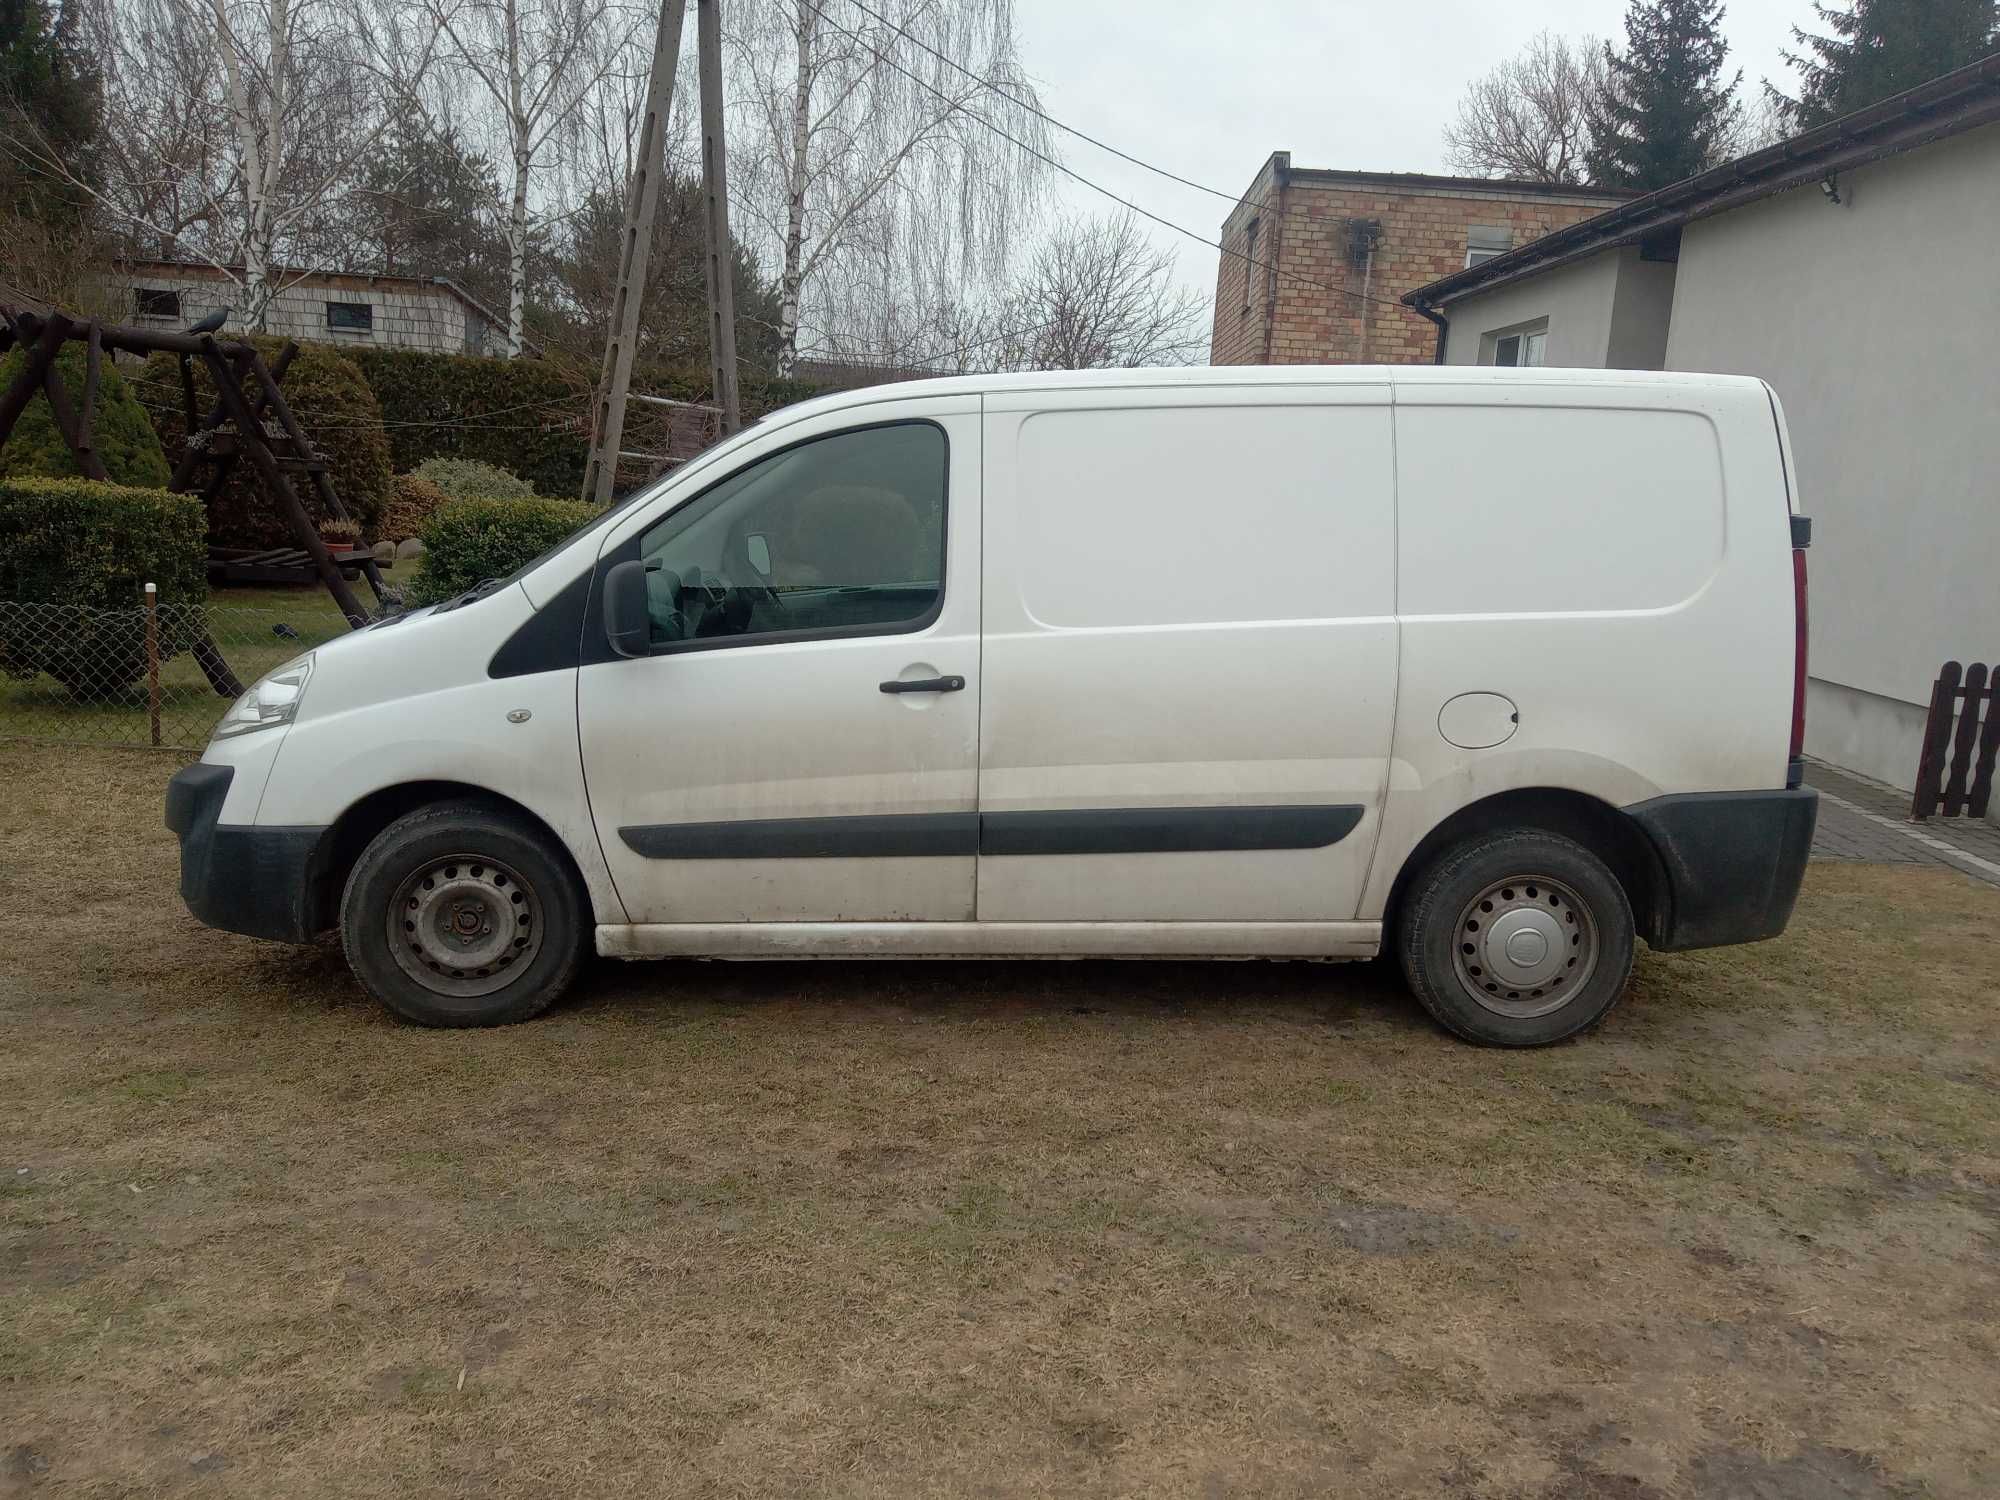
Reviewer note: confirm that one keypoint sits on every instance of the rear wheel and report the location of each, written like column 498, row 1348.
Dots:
column 457, row 915
column 1517, row 938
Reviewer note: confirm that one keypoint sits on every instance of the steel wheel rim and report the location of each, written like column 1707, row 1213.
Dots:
column 1524, row 946
column 464, row 925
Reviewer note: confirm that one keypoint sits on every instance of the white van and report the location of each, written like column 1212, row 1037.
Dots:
column 1499, row 669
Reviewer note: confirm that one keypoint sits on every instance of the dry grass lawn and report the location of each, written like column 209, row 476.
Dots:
column 982, row 1230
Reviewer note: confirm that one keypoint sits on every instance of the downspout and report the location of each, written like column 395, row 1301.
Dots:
column 1281, row 169
column 1443, row 327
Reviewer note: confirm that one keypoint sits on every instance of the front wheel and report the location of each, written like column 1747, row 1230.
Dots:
column 1517, row 938
column 457, row 915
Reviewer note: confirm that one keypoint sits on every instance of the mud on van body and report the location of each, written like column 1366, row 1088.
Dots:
column 1500, row 669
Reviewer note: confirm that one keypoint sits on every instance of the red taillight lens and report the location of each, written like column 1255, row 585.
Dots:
column 1799, row 654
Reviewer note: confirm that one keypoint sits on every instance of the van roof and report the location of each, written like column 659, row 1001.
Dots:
column 1238, row 376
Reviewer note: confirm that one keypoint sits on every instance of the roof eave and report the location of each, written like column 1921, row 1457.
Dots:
column 1948, row 105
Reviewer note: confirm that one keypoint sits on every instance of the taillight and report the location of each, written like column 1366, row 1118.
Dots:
column 1799, row 654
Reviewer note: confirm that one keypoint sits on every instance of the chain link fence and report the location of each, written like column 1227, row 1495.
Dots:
column 147, row 676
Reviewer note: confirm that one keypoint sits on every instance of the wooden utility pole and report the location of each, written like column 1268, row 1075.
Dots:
column 715, row 190
column 642, row 204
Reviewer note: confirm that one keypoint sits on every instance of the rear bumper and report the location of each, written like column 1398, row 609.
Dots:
column 257, row 881
column 1732, row 863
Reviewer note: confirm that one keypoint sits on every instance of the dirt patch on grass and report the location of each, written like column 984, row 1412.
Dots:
column 981, row 1229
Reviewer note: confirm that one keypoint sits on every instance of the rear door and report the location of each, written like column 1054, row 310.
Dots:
column 1189, row 665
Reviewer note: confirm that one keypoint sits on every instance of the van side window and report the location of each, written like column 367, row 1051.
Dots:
column 841, row 535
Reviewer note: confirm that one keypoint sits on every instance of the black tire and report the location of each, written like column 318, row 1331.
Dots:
column 511, row 899
column 1542, row 962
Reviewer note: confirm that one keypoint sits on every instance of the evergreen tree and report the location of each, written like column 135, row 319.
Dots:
column 1665, row 111
column 48, row 110
column 430, row 209
column 1881, row 47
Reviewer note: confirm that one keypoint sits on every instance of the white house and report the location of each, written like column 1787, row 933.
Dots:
column 1856, row 268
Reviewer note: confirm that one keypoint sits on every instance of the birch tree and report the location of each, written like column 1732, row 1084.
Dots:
column 238, row 128
column 538, row 62
column 866, row 128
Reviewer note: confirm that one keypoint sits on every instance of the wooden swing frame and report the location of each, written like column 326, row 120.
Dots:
column 232, row 364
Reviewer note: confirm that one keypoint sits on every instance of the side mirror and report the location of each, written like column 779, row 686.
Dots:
column 627, row 623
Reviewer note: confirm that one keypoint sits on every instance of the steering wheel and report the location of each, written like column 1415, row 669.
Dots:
column 713, row 605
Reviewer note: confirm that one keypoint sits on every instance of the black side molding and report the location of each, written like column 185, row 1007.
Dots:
column 1801, row 531
column 1115, row 830
column 885, row 837
column 1164, row 830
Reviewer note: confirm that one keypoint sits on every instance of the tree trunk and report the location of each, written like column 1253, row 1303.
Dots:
column 792, row 276
column 517, row 257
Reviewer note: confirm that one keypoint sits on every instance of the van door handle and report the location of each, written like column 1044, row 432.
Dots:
column 924, row 685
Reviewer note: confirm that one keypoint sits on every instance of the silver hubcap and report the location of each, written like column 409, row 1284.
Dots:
column 1524, row 945
column 462, row 926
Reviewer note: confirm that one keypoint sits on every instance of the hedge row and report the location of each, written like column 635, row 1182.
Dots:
column 469, row 541
column 530, row 416
column 74, row 548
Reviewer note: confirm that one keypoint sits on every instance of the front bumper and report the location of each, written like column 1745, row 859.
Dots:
column 262, row 882
column 1732, row 863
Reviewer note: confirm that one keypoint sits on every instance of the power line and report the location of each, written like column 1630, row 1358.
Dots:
column 904, row 34
column 1097, row 187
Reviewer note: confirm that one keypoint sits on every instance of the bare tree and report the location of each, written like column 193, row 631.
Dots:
column 1100, row 295
column 238, row 128
column 1529, row 118
column 869, row 135
column 538, row 63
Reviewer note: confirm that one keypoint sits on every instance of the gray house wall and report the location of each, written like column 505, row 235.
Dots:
column 1607, row 311
column 1576, row 301
column 1877, row 321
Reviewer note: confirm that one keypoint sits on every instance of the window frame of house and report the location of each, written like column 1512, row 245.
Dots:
column 366, row 310
column 1484, row 242
column 1529, row 346
column 157, row 302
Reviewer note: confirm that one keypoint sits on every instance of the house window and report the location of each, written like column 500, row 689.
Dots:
column 158, row 302
column 1484, row 241
column 1249, row 261
column 350, row 317
column 1522, row 348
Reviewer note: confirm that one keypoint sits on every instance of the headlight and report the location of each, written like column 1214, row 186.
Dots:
column 274, row 700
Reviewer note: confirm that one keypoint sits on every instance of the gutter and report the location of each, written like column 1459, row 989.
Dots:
column 1419, row 305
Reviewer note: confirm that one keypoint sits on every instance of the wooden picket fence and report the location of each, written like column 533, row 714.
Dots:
column 1961, row 742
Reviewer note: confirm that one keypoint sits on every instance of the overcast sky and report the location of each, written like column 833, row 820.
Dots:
column 1209, row 88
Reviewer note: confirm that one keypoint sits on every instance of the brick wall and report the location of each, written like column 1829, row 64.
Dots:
column 1299, row 302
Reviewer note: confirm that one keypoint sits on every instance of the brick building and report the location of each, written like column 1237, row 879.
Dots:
column 1314, row 262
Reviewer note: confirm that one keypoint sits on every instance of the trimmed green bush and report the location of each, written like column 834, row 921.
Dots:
column 474, row 479
column 72, row 548
column 119, row 431
column 331, row 399
column 469, row 541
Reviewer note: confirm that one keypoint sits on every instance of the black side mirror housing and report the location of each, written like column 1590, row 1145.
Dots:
column 627, row 623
